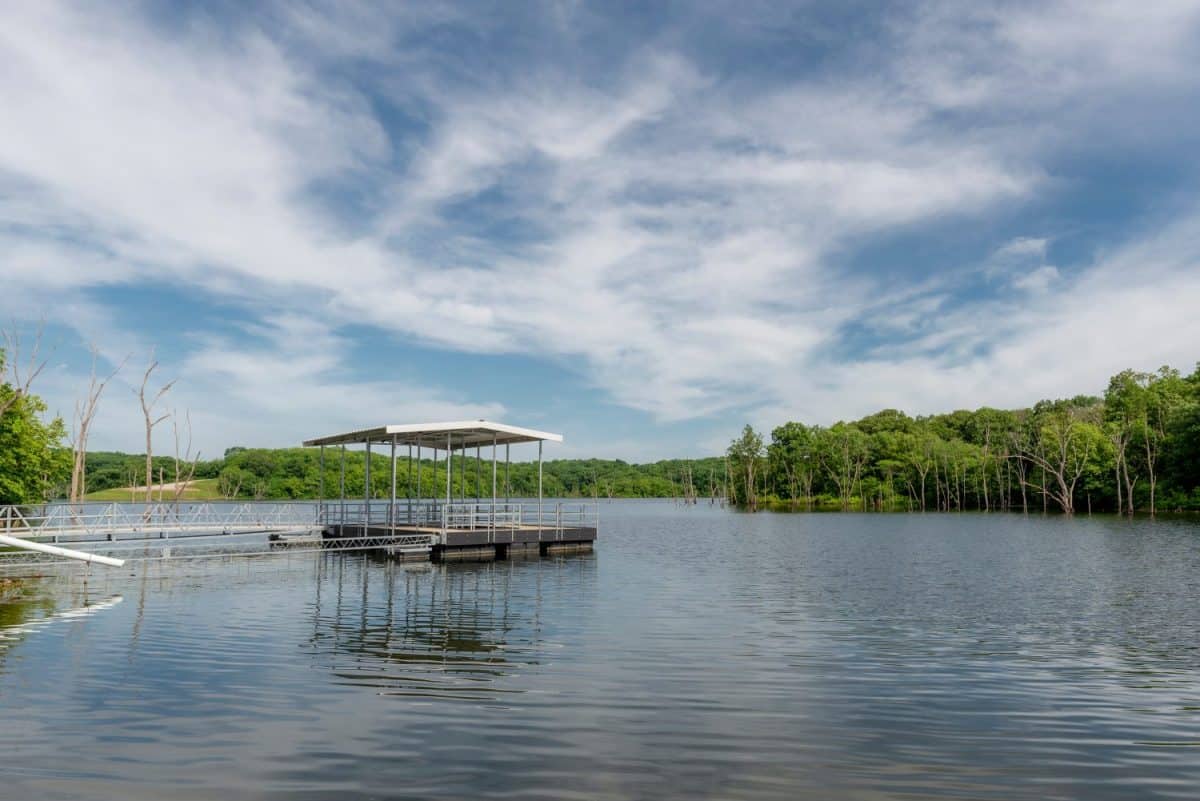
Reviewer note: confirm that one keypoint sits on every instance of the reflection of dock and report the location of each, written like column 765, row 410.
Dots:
column 448, row 527
column 466, row 631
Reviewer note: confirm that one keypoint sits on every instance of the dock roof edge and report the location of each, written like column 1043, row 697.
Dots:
column 463, row 434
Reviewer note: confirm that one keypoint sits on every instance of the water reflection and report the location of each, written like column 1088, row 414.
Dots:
column 30, row 603
column 448, row 631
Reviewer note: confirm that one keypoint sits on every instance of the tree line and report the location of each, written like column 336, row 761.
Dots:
column 1137, row 448
column 295, row 473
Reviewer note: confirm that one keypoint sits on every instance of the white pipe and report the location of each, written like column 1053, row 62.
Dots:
column 54, row 550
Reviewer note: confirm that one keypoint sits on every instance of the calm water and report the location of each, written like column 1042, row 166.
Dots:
column 696, row 654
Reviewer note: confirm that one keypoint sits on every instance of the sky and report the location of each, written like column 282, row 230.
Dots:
column 641, row 225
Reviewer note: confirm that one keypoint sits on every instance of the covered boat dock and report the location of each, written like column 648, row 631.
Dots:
column 430, row 520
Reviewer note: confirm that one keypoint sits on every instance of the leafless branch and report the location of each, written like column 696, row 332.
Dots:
column 85, row 413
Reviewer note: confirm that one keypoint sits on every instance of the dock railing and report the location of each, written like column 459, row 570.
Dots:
column 66, row 522
column 91, row 520
column 557, row 516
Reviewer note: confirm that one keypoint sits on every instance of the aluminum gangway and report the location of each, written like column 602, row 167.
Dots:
column 85, row 522
column 38, row 532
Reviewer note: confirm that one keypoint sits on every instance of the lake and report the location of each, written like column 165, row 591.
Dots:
column 698, row 653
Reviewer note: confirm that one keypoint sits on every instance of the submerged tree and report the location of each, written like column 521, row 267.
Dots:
column 149, row 401
column 745, row 453
column 793, row 456
column 1060, row 442
column 844, row 450
column 85, row 414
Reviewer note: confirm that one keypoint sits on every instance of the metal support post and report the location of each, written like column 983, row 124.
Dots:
column 367, row 490
column 446, row 510
column 392, row 504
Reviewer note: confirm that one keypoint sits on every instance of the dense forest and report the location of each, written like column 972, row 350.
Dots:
column 1137, row 448
column 296, row 473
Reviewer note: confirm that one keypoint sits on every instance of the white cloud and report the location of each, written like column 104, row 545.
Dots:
column 1135, row 304
column 684, row 232
column 1038, row 280
column 1021, row 247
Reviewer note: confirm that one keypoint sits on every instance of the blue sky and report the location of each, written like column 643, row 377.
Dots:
column 638, row 224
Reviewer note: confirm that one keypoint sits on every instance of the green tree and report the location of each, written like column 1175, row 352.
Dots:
column 844, row 450
column 745, row 454
column 792, row 455
column 1124, row 408
column 1065, row 437
column 34, row 464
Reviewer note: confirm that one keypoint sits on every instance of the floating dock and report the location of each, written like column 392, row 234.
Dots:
column 443, row 526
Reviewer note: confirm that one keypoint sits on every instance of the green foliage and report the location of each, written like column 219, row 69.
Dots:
column 745, row 459
column 250, row 473
column 1138, row 448
column 33, row 462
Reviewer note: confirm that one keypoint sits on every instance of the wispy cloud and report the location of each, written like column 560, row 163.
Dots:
column 689, row 233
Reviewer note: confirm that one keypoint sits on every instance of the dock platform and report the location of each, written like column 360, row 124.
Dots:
column 413, row 541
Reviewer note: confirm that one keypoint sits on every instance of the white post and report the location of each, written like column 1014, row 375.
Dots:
column 321, row 490
column 54, row 550
column 539, row 488
column 392, row 504
column 342, row 491
column 367, row 490
column 493, row 486
column 446, row 511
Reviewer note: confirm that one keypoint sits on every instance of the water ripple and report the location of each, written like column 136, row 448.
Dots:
column 697, row 654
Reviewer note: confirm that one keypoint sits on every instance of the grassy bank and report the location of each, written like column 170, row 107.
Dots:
column 202, row 489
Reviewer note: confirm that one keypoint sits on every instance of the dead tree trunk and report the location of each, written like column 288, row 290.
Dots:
column 85, row 413
column 148, row 403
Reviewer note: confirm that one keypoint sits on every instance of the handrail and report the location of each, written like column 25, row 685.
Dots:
column 89, row 519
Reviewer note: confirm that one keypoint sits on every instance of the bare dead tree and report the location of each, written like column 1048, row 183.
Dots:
column 20, row 370
column 148, row 404
column 81, row 429
column 185, row 461
column 227, row 487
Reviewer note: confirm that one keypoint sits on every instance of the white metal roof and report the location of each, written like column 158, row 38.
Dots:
column 462, row 434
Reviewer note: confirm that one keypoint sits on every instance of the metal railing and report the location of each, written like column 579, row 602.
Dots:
column 89, row 521
column 70, row 521
column 464, row 516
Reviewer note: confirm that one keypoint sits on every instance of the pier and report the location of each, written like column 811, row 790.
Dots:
column 428, row 522
column 431, row 522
